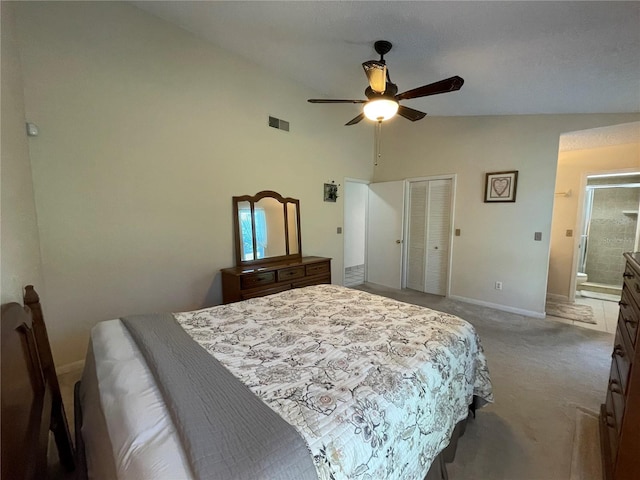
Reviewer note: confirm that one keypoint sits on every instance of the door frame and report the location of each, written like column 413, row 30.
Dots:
column 405, row 234
column 366, row 224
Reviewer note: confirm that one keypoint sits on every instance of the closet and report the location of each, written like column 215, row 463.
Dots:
column 429, row 235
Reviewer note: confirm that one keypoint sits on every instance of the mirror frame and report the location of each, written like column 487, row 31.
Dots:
column 253, row 199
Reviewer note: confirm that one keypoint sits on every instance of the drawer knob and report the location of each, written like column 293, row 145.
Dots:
column 617, row 350
column 631, row 321
column 622, row 304
column 614, row 386
column 628, row 275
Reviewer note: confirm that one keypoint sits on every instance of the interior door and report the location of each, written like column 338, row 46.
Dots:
column 429, row 235
column 438, row 236
column 384, row 234
column 417, row 235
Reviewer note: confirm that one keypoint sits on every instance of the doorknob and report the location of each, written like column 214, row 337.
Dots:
column 435, row 248
column 398, row 241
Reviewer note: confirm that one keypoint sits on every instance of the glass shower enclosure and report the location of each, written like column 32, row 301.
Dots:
column 610, row 228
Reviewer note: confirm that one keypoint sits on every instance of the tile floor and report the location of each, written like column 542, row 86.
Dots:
column 354, row 276
column 605, row 312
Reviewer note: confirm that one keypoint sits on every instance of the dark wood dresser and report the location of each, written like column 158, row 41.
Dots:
column 241, row 283
column 620, row 414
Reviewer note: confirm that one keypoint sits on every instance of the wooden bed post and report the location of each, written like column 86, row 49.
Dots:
column 59, row 424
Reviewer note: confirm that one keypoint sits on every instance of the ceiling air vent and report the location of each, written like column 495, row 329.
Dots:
column 279, row 124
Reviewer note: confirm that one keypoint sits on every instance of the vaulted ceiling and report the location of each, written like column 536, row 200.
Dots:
column 516, row 57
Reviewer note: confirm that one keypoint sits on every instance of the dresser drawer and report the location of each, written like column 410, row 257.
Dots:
column 292, row 273
column 612, row 425
column 264, row 291
column 629, row 315
column 312, row 281
column 257, row 279
column 615, row 409
column 318, row 268
column 621, row 358
column 608, row 438
column 615, row 391
column 632, row 283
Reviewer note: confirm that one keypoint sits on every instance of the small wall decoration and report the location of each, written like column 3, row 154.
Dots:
column 500, row 187
column 331, row 191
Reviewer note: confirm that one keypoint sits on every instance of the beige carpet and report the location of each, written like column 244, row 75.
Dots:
column 585, row 461
column 572, row 311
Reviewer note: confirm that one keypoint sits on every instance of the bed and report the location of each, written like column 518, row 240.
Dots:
column 31, row 401
column 319, row 382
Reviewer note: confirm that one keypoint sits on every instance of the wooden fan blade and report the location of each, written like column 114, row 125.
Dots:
column 443, row 86
column 324, row 100
column 355, row 120
column 410, row 113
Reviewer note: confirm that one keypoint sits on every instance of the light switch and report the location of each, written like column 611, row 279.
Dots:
column 339, row 230
column 537, row 236
column 569, row 233
column 457, row 232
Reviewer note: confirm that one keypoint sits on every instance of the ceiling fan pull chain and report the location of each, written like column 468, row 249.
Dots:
column 377, row 134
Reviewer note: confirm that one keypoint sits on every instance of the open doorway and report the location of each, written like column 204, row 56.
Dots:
column 584, row 216
column 356, row 197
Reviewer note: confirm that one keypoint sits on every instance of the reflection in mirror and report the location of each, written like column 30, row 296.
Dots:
column 270, row 240
column 292, row 223
column 246, row 230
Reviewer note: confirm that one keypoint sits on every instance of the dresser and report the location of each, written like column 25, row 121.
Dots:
column 620, row 414
column 241, row 283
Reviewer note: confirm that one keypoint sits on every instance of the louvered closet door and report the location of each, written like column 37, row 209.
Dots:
column 417, row 235
column 438, row 232
column 429, row 236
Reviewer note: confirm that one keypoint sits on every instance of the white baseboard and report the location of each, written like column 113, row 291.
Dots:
column 70, row 367
column 497, row 306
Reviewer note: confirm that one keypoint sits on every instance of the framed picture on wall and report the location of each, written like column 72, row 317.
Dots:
column 500, row 187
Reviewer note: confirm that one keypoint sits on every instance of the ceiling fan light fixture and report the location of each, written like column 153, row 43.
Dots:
column 377, row 75
column 380, row 110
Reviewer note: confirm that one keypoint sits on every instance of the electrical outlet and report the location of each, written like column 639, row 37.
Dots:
column 498, row 285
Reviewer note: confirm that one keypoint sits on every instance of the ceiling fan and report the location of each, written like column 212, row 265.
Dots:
column 382, row 95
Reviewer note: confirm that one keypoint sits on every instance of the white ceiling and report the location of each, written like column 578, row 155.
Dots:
column 516, row 57
column 601, row 137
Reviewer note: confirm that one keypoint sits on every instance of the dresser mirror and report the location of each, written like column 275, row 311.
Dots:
column 267, row 228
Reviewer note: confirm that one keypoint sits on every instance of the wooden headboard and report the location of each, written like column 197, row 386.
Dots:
column 31, row 399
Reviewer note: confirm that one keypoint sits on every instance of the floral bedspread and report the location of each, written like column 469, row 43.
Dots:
column 374, row 386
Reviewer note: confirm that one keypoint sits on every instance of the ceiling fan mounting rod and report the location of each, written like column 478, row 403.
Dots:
column 382, row 47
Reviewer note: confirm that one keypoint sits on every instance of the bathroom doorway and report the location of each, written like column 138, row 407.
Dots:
column 610, row 228
column 583, row 156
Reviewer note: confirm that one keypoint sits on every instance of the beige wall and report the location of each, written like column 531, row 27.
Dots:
column 497, row 240
column 20, row 252
column 572, row 167
column 146, row 134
